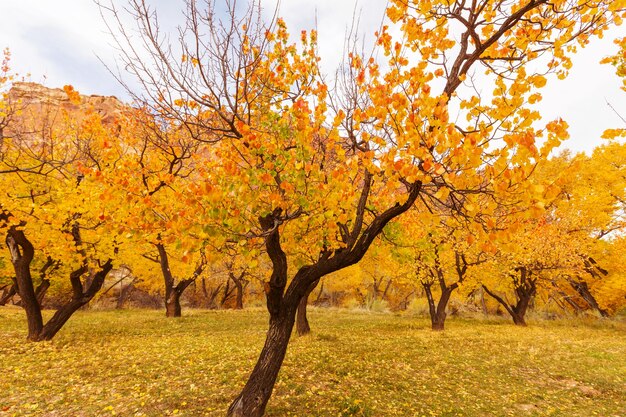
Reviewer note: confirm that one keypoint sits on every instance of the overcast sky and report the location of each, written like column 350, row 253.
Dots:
column 58, row 42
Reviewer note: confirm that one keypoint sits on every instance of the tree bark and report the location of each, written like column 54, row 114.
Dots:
column 239, row 296
column 174, row 292
column 582, row 289
column 228, row 292
column 282, row 305
column 125, row 294
column 8, row 294
column 172, row 304
column 22, row 254
column 518, row 311
column 302, row 322
column 80, row 299
column 240, row 284
column 252, row 400
column 41, row 290
column 438, row 312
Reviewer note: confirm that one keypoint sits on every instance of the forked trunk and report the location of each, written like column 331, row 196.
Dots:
column 253, row 399
column 517, row 311
column 22, row 254
column 173, row 292
column 438, row 313
column 81, row 298
column 282, row 305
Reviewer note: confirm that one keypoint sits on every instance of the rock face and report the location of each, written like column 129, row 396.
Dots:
column 35, row 98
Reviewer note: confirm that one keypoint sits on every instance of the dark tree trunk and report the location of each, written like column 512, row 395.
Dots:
column 8, row 294
column 240, row 283
column 22, row 254
column 282, row 305
column 228, row 292
column 79, row 299
column 239, row 296
column 582, row 289
column 41, row 290
column 438, row 312
column 124, row 294
column 174, row 292
column 252, row 400
column 172, row 304
column 302, row 322
column 518, row 319
column 525, row 289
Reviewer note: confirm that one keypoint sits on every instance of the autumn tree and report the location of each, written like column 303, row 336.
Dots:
column 50, row 212
column 593, row 185
column 444, row 259
column 317, row 171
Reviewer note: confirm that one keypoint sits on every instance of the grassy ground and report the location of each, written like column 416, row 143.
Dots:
column 138, row 363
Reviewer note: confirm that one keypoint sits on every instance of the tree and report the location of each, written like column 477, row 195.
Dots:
column 173, row 290
column 436, row 263
column 50, row 205
column 318, row 172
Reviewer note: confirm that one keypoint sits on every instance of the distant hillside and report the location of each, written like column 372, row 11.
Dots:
column 35, row 98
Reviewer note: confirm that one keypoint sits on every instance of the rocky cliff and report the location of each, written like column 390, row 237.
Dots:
column 35, row 98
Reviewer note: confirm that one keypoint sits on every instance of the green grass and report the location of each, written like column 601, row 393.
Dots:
column 138, row 363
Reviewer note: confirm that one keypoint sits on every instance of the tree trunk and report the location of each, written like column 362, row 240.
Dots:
column 173, row 293
column 124, row 294
column 252, row 400
column 41, row 290
column 239, row 295
column 240, row 284
column 582, row 289
column 319, row 294
column 172, row 304
column 228, row 292
column 302, row 321
column 8, row 294
column 483, row 304
column 79, row 299
column 438, row 313
column 518, row 319
column 22, row 253
column 517, row 312
column 282, row 305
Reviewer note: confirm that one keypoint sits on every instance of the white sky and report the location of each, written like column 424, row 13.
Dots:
column 59, row 41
